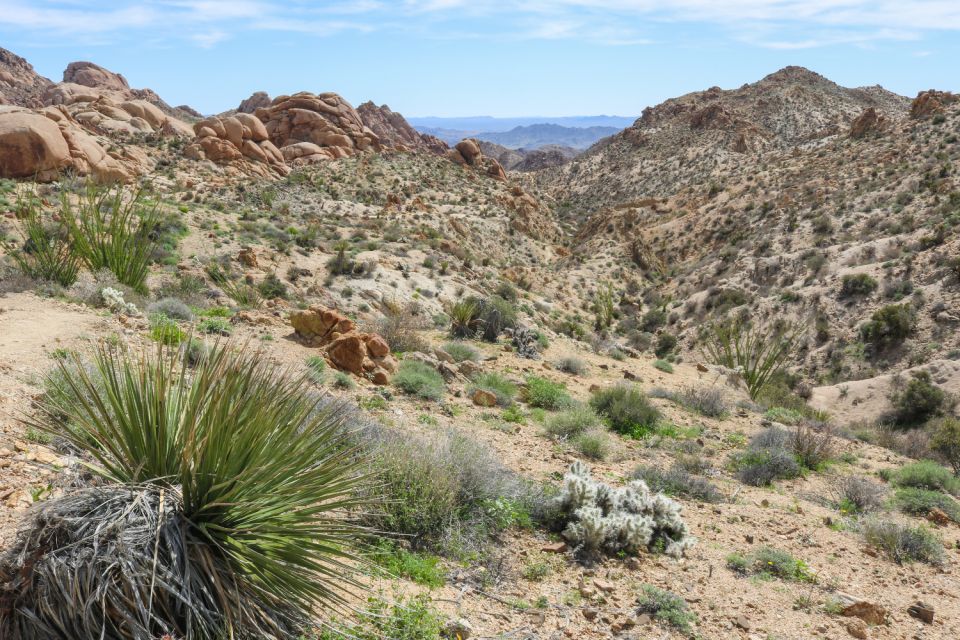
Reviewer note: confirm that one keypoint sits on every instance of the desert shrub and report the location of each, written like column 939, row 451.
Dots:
column 545, row 394
column 461, row 352
column 572, row 422
column 758, row 352
column 888, row 327
column 767, row 459
column 918, row 401
column 946, row 442
column 495, row 315
column 422, row 568
column 677, row 481
column 572, row 365
column 920, row 502
column 412, row 619
column 595, row 444
column 165, row 330
column 419, row 379
column 666, row 607
column 215, row 326
column 926, row 474
column 599, row 519
column 225, row 491
column 400, row 326
column 783, row 415
column 904, row 543
column 494, row 383
column 707, row 401
column 857, row 284
column 627, row 409
column 464, row 318
column 653, row 320
column 272, row 287
column 343, row 380
column 447, row 492
column 47, row 253
column 663, row 365
column 666, row 343
column 316, row 368
column 239, row 291
column 172, row 308
column 771, row 563
column 856, row 494
column 812, row 447
column 111, row 229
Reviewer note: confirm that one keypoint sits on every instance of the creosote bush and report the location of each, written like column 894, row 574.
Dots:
column 926, row 474
column 904, row 543
column 598, row 519
column 627, row 409
column 888, row 327
column 918, row 401
column 545, row 394
column 220, row 507
column 419, row 379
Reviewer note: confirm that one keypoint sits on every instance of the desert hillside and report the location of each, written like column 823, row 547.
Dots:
column 299, row 371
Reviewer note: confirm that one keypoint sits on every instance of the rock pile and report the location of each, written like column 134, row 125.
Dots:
column 867, row 122
column 468, row 153
column 236, row 138
column 257, row 100
column 395, row 132
column 345, row 348
column 928, row 103
column 19, row 83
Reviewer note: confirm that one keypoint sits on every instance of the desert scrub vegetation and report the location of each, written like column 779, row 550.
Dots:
column 572, row 365
column 926, row 474
column 946, row 442
column 571, row 422
column 757, row 352
column 46, row 254
column 918, row 401
column 768, row 458
column 857, row 284
column 484, row 318
column 419, row 379
column 398, row 561
column 707, row 401
column 461, row 352
column 678, row 481
column 855, row 495
column 921, row 502
column 226, row 486
column 597, row 519
column 546, row 394
column 502, row 389
column 666, row 607
column 626, row 409
column 446, row 493
column 888, row 327
column 411, row 619
column 768, row 563
column 400, row 326
column 904, row 543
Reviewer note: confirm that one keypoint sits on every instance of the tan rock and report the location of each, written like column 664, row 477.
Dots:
column 31, row 145
column 483, row 398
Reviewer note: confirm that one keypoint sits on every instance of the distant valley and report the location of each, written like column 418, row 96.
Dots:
column 578, row 132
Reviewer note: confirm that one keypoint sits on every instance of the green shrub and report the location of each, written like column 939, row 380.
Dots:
column 920, row 502
column 272, row 287
column 627, row 409
column 857, row 284
column 926, row 474
column 166, row 331
column 595, row 444
column 494, row 383
column 172, row 308
column 400, row 326
column 422, row 568
column 783, row 415
column 889, row 326
column 946, row 442
column 666, row 343
column 461, row 352
column 419, row 379
column 572, row 422
column 653, row 320
column 410, row 620
column 759, row 352
column 47, row 254
column 767, row 459
column 545, row 394
column 215, row 326
column 904, row 543
column 666, row 607
column 663, row 365
column 919, row 401
column 495, row 315
column 572, row 365
column 767, row 562
column 677, row 481
column 230, row 483
column 343, row 380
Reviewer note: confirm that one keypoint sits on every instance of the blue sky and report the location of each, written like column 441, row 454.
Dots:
column 486, row 57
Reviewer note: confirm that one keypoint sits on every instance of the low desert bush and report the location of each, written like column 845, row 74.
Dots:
column 920, row 502
column 419, row 379
column 946, row 442
column 598, row 519
column 857, row 284
column 165, row 330
column 904, row 543
column 856, row 494
column 215, row 326
column 918, row 401
column 627, row 409
column 502, row 388
column 172, row 308
column 572, row 365
column 926, row 474
column 461, row 352
column 666, row 607
column 412, row 619
column 572, row 422
column 888, row 327
column 677, row 481
column 400, row 326
column 813, row 448
column 767, row 562
column 545, row 394
column 595, row 444
column 768, row 458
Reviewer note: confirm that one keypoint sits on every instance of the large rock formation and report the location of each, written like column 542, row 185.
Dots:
column 468, row 153
column 928, row 103
column 240, row 137
column 42, row 144
column 257, row 100
column 362, row 354
column 92, row 75
column 395, row 132
column 866, row 123
column 19, row 83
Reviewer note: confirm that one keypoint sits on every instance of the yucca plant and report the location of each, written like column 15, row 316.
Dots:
column 111, row 229
column 758, row 352
column 46, row 254
column 464, row 319
column 220, row 511
column 240, row 292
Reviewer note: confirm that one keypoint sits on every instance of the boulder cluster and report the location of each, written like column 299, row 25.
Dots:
column 928, row 103
column 468, row 153
column 237, row 137
column 343, row 346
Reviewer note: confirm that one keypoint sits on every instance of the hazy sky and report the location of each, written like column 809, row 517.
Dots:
column 486, row 57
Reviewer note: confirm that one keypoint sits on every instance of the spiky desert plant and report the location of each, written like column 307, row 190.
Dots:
column 46, row 254
column 221, row 510
column 464, row 318
column 757, row 351
column 238, row 291
column 111, row 229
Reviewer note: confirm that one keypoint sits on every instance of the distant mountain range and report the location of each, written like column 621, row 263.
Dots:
column 578, row 132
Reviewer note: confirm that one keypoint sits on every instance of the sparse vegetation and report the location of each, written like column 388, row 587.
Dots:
column 757, row 352
column 626, row 409
column 419, row 379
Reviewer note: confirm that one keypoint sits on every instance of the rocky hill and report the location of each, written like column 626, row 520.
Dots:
column 528, row 159
column 19, row 83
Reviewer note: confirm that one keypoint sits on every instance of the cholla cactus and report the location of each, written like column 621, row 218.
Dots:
column 604, row 519
column 114, row 301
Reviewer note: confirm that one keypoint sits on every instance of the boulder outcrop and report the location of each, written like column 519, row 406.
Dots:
column 468, row 153
column 928, row 103
column 19, row 83
column 257, row 100
column 236, row 138
column 866, row 123
column 344, row 347
column 395, row 132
